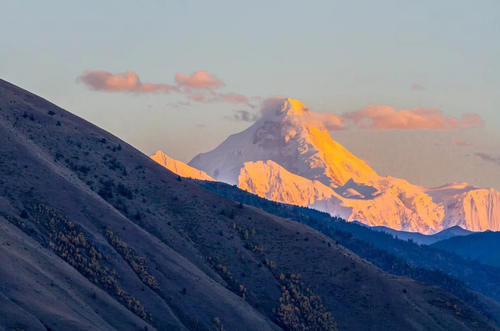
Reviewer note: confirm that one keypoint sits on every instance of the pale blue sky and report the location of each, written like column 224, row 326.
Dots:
column 336, row 56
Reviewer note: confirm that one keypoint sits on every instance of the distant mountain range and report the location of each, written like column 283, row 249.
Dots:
column 483, row 247
column 423, row 239
column 289, row 156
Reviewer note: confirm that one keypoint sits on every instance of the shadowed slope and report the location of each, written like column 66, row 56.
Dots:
column 482, row 247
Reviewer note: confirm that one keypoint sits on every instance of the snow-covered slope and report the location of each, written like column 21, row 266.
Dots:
column 179, row 167
column 472, row 208
column 271, row 181
column 289, row 156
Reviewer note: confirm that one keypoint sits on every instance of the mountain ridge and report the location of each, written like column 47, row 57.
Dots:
column 285, row 127
column 454, row 231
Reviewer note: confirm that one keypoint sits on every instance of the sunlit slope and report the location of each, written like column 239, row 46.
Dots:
column 178, row 167
column 271, row 181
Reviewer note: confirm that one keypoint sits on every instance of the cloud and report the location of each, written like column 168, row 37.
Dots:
column 379, row 118
column 417, row 87
column 460, row 142
column 233, row 97
column 245, row 116
column 489, row 157
column 272, row 107
column 387, row 117
column 200, row 86
column 199, row 80
column 220, row 97
column 122, row 82
column 330, row 121
column 471, row 120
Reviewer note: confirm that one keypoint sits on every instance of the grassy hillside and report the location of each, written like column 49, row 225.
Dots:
column 95, row 235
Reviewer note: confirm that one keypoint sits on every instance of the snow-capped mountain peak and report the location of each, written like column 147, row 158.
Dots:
column 288, row 155
column 292, row 136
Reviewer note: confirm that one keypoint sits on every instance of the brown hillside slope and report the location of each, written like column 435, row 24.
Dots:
column 111, row 240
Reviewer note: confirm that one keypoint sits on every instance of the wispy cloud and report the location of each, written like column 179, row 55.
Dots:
column 471, row 120
column 218, row 97
column 101, row 80
column 330, row 121
column 245, row 116
column 460, row 142
column 387, row 118
column 271, row 107
column 200, row 86
column 489, row 157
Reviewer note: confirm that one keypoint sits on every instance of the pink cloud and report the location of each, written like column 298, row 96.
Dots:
column 330, row 121
column 471, row 120
column 460, row 142
column 198, row 87
column 387, row 117
column 199, row 98
column 233, row 97
column 199, row 80
column 122, row 82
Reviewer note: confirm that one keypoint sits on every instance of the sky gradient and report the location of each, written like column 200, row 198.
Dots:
column 181, row 76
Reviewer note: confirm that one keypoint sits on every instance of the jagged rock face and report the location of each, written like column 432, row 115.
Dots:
column 469, row 207
column 289, row 156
